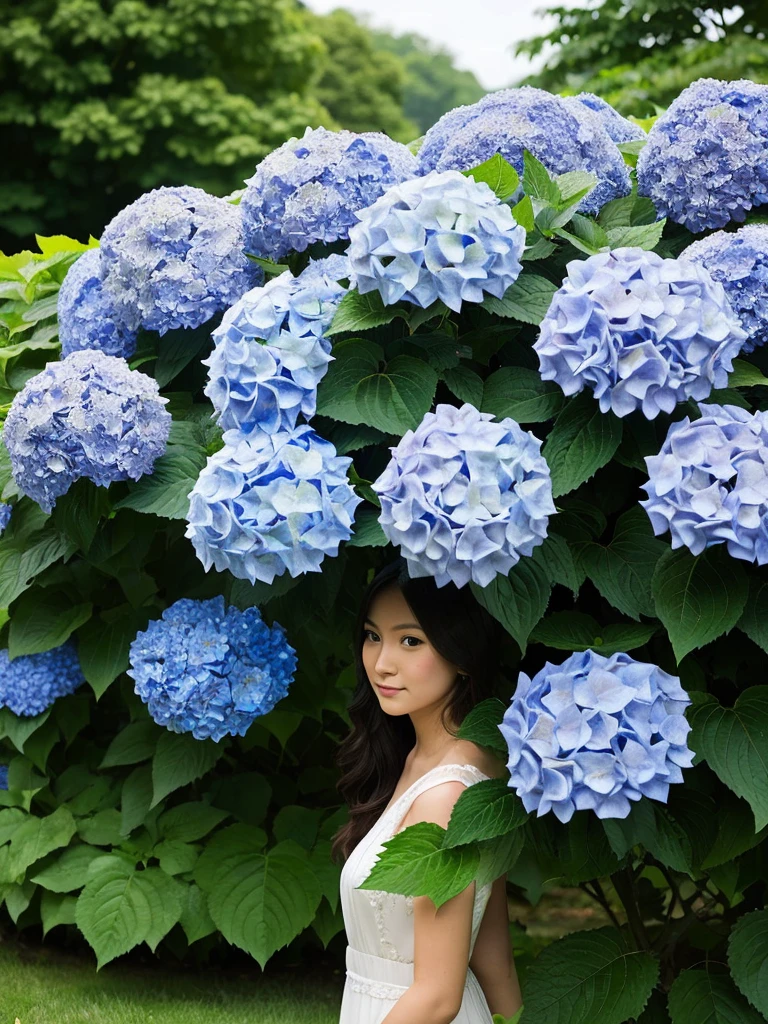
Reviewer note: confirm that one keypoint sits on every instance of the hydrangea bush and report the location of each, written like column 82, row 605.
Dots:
column 525, row 380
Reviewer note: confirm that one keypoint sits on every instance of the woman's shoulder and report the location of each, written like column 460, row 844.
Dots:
column 484, row 759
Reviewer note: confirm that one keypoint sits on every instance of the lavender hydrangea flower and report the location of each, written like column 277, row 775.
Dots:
column 595, row 733
column 174, row 257
column 309, row 189
column 620, row 128
column 641, row 331
column 706, row 160
column 3, row 776
column 443, row 236
column 269, row 503
column 5, row 516
column 709, row 483
column 464, row 498
column 563, row 135
column 739, row 261
column 210, row 670
column 88, row 415
column 31, row 682
column 87, row 316
column 271, row 351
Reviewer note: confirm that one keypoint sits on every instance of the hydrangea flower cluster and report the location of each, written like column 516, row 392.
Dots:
column 709, row 483
column 88, row 415
column 269, row 503
column 596, row 733
column 443, row 236
column 641, row 331
column 210, row 670
column 5, row 515
column 464, row 498
column 175, row 257
column 739, row 261
column 309, row 189
column 31, row 682
column 3, row 776
column 87, row 316
column 271, row 352
column 706, row 160
column 564, row 136
column 620, row 128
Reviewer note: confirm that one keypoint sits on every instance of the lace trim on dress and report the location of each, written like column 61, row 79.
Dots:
column 381, row 902
column 377, row 989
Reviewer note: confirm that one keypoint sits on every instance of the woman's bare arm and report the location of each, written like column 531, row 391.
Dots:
column 492, row 962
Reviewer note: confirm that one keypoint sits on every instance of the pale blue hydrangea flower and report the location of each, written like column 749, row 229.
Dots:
column 174, row 257
column 5, row 516
column 706, row 159
column 620, row 128
column 88, row 415
column 594, row 734
column 3, row 776
column 266, row 504
column 463, row 497
column 87, row 316
column 31, row 682
column 309, row 189
column 563, row 135
column 210, row 670
column 739, row 261
column 443, row 236
column 641, row 331
column 271, row 352
column 709, row 483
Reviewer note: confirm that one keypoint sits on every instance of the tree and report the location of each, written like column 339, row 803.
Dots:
column 639, row 54
column 102, row 100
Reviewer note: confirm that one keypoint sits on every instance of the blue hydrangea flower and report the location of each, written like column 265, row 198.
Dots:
column 563, row 135
column 269, row 503
column 5, row 516
column 210, row 670
column 706, row 160
column 709, row 483
column 739, row 261
column 641, row 331
column 443, row 236
column 620, row 128
column 271, row 352
column 3, row 776
column 88, row 415
column 174, row 257
column 594, row 734
column 87, row 316
column 31, row 683
column 309, row 189
column 463, row 497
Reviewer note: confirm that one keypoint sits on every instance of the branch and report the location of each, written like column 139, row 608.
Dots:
column 622, row 883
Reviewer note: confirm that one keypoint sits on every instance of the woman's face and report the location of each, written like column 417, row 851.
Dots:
column 397, row 654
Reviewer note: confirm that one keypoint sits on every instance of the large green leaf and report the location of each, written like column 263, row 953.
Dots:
column 581, row 441
column 178, row 348
column 56, row 908
column 484, row 811
column 588, row 977
column 519, row 392
column 135, row 743
column 180, row 758
column 748, row 958
column 735, row 833
column 528, row 299
column 698, row 598
column 195, row 919
column 698, row 997
column 190, row 821
column 754, row 618
column 36, row 837
column 103, row 646
column 415, row 864
column 165, row 491
column 22, row 558
column 557, row 559
column 498, row 856
column 259, row 901
column 135, row 798
column 519, row 600
column 496, row 173
column 43, row 620
column 70, row 870
column 734, row 743
column 576, row 631
column 358, row 312
column 481, row 725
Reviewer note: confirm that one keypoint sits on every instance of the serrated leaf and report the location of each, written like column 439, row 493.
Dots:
column 626, row 211
column 698, row 997
column 735, row 834
column 537, row 182
column 585, row 234
column 576, row 631
column 644, row 236
column 484, row 811
column 190, row 821
column 582, row 440
column 358, row 312
column 574, row 185
column 556, row 559
column 481, row 725
column 368, row 532
column 519, row 392
column 22, row 558
column 101, row 828
column 177, row 349
column 748, row 958
column 43, row 620
column 518, row 600
column 135, row 743
column 176, row 857
column 745, row 375
column 70, row 871
column 165, row 491
column 465, row 384
column 103, row 647
column 734, row 743
column 498, row 856
column 179, row 759
column 10, row 819
column 35, row 837
column 55, row 909
column 195, row 919
column 698, row 598
column 497, row 174
column 135, row 799
column 523, row 213
column 527, row 300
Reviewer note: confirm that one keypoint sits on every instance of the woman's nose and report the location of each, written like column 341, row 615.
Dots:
column 385, row 664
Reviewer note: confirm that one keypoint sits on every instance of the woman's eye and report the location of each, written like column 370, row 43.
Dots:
column 370, row 635
column 414, row 638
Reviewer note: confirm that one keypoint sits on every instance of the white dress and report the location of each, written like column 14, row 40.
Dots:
column 379, row 925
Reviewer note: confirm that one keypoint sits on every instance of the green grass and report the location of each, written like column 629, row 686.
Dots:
column 44, row 987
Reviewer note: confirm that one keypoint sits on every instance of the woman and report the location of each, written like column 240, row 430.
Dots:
column 424, row 657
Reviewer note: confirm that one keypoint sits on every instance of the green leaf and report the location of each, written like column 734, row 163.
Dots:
column 574, row 185
column 498, row 856
column 22, row 558
column 195, row 919
column 135, row 799
column 180, row 759
column 190, row 821
column 748, row 958
column 519, row 392
column 358, row 312
column 368, row 532
column 745, row 375
column 498, row 174
column 537, row 182
column 481, row 725
column 734, row 743
column 56, row 908
column 103, row 647
column 582, row 440
column 527, row 300
column 36, row 837
column 698, row 997
column 17, row 899
column 556, row 559
column 519, row 600
column 10, row 819
column 176, row 857
column 259, row 901
column 298, row 823
column 588, row 977
column 735, row 834
column 576, row 631
column 102, row 829
column 70, row 870
column 177, row 349
column 18, row 728
column 165, row 491
column 487, row 810
column 523, row 213
column 629, row 210
column 644, row 236
column 698, row 598
column 270, row 268
column 540, row 249
column 43, row 620
column 465, row 384
column 415, row 864
column 585, row 234
column 355, row 390
column 136, row 742
column 78, row 512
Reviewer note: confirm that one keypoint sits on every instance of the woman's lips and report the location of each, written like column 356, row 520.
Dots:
column 387, row 691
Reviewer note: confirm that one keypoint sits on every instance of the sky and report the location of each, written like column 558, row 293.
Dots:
column 480, row 33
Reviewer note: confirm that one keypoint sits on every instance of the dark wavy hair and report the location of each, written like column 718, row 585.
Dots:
column 372, row 757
